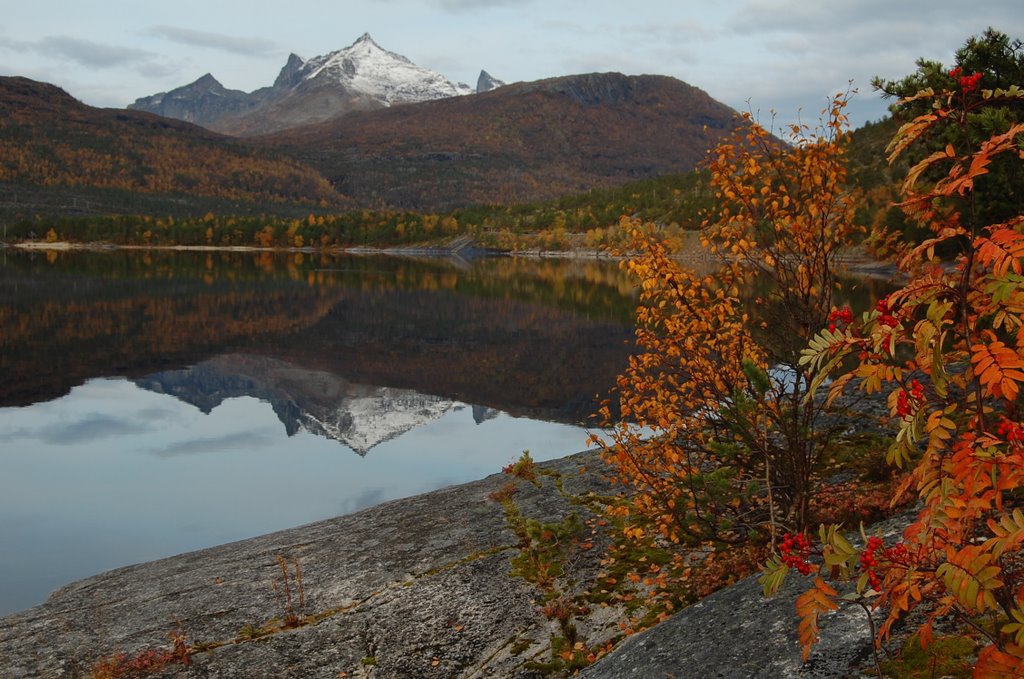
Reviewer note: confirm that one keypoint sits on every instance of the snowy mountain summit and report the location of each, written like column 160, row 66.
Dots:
column 362, row 76
column 368, row 68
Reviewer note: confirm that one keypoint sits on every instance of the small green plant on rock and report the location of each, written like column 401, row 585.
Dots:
column 950, row 657
column 290, row 592
column 544, row 548
column 250, row 631
column 524, row 468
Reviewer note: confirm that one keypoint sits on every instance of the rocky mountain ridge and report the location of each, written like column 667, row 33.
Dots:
column 363, row 76
column 358, row 416
column 201, row 102
column 487, row 82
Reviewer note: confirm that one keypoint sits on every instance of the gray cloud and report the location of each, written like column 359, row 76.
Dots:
column 159, row 70
column 246, row 440
column 456, row 6
column 469, row 5
column 857, row 28
column 250, row 47
column 90, row 53
column 89, row 429
column 689, row 30
column 14, row 45
column 808, row 51
column 925, row 16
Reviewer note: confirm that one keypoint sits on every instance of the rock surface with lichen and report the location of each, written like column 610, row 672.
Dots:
column 421, row 588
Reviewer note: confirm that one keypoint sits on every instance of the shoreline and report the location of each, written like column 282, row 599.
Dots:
column 420, row 585
column 424, row 587
column 855, row 262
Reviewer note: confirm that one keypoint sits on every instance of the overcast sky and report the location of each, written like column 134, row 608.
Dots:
column 782, row 55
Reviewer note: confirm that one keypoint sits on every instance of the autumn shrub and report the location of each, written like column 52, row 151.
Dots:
column 713, row 434
column 146, row 662
column 524, row 468
column 948, row 351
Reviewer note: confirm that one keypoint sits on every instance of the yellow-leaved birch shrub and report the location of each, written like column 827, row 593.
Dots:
column 711, row 431
column 948, row 349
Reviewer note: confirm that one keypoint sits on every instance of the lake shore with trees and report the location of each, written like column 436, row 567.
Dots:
column 758, row 421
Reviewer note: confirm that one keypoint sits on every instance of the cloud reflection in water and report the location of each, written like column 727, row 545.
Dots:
column 146, row 476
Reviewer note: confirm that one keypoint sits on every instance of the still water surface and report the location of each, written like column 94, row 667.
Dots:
column 152, row 404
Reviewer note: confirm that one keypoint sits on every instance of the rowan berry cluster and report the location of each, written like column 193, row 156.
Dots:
column 907, row 400
column 868, row 561
column 794, row 551
column 886, row 313
column 897, row 554
column 843, row 315
column 1011, row 431
column 968, row 83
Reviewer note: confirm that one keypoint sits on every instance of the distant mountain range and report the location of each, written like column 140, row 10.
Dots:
column 361, row 128
column 360, row 77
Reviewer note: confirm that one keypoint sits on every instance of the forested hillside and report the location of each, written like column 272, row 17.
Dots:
column 54, row 148
column 520, row 143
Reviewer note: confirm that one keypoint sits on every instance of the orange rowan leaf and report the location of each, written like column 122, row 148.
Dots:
column 1008, row 533
column 971, row 576
column 999, row 368
column 926, row 635
column 910, row 132
column 994, row 663
column 1003, row 250
column 915, row 172
column 809, row 606
column 1007, row 141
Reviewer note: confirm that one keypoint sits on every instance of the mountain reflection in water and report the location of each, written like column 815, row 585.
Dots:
column 357, row 415
column 142, row 393
column 156, row 402
column 530, row 338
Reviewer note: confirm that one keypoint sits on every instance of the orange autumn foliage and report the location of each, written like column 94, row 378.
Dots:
column 949, row 347
column 712, row 433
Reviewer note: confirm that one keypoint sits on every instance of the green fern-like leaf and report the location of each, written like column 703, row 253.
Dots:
column 971, row 577
column 1008, row 532
column 773, row 575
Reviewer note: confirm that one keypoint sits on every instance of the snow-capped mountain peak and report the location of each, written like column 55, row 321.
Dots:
column 360, row 77
column 366, row 67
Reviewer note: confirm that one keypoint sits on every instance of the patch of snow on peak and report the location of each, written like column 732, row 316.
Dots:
column 368, row 68
column 377, row 414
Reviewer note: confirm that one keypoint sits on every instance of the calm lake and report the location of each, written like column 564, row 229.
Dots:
column 158, row 402
column 153, row 403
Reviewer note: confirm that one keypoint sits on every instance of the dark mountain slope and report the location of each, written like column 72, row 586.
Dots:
column 201, row 102
column 520, row 143
column 52, row 145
